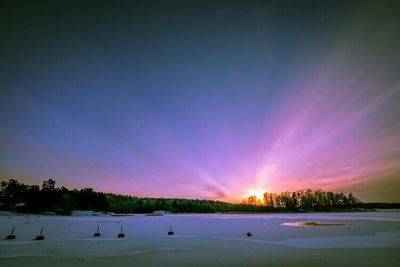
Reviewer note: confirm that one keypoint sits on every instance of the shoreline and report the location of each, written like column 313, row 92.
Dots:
column 89, row 213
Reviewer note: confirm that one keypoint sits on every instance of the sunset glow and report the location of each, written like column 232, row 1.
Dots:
column 258, row 193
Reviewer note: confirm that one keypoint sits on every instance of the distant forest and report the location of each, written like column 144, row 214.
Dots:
column 16, row 196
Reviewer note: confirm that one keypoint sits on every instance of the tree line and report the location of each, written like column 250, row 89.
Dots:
column 305, row 199
column 18, row 196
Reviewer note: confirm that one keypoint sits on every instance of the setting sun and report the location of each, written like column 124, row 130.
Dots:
column 258, row 193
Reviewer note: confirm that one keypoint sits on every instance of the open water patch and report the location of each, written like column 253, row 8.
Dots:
column 318, row 224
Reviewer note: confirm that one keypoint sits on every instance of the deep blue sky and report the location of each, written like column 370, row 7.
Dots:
column 207, row 99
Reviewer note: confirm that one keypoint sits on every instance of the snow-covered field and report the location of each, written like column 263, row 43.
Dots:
column 359, row 239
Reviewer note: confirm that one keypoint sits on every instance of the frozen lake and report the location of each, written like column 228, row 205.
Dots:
column 308, row 239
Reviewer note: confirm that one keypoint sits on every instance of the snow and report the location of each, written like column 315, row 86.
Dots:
column 367, row 239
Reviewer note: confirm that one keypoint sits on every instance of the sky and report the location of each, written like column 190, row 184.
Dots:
column 202, row 99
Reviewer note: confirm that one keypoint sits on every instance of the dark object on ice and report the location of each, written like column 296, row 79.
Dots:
column 11, row 236
column 249, row 234
column 40, row 236
column 121, row 234
column 170, row 232
column 97, row 232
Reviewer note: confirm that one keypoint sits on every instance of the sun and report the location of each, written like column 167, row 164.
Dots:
column 258, row 192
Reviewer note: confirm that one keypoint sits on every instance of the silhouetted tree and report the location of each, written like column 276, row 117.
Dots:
column 63, row 201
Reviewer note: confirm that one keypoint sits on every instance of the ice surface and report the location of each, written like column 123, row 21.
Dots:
column 369, row 239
